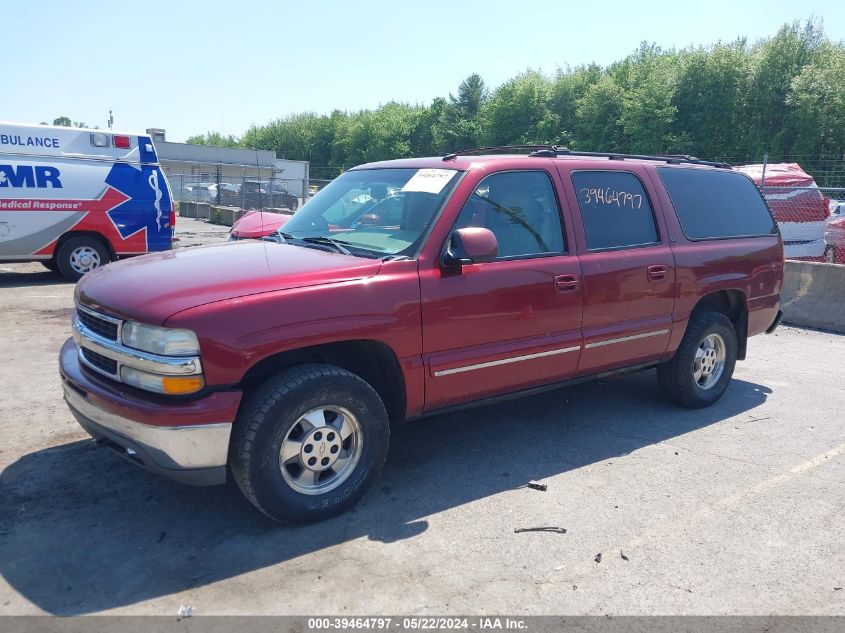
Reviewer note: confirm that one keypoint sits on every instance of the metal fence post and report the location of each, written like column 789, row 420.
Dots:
column 763, row 177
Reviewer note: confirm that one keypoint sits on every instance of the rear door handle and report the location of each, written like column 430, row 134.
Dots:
column 567, row 283
column 657, row 272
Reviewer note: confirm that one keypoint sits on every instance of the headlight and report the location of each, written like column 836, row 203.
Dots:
column 171, row 385
column 159, row 340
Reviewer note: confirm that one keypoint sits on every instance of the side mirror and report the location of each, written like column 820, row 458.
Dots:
column 471, row 245
column 370, row 219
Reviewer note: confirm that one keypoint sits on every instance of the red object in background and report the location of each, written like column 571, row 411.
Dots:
column 792, row 193
column 798, row 206
column 834, row 237
column 257, row 224
column 778, row 175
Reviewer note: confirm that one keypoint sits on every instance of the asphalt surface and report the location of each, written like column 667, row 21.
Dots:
column 734, row 509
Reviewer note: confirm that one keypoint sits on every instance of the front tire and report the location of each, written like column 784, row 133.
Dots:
column 308, row 443
column 80, row 255
column 703, row 365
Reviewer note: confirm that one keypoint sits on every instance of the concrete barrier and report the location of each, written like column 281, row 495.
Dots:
column 814, row 295
column 188, row 209
column 226, row 216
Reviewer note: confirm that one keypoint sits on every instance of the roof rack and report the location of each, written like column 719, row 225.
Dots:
column 546, row 150
column 672, row 159
column 497, row 149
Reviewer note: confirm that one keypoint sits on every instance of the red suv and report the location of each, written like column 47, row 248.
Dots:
column 407, row 288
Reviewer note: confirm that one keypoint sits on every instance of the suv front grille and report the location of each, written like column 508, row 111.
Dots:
column 99, row 325
column 100, row 362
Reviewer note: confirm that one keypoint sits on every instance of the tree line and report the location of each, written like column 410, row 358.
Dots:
column 784, row 96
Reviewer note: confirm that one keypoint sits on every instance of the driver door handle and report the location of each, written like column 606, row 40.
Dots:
column 567, row 283
column 657, row 272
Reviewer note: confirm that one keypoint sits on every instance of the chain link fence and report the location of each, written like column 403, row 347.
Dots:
column 811, row 221
column 247, row 193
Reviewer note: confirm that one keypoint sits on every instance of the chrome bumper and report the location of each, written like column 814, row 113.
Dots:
column 192, row 454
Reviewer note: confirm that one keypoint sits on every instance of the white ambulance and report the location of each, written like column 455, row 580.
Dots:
column 75, row 199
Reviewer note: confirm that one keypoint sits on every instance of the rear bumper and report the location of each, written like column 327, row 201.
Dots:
column 188, row 441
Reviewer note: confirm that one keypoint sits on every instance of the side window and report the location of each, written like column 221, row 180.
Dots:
column 521, row 210
column 715, row 204
column 615, row 209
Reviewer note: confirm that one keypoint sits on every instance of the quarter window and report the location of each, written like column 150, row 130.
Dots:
column 520, row 208
column 615, row 209
column 716, row 204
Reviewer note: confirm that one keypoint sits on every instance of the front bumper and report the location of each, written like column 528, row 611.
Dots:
column 185, row 441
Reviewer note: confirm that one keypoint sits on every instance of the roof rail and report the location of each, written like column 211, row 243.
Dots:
column 497, row 149
column 672, row 159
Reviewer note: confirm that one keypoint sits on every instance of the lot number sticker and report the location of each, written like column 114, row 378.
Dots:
column 429, row 180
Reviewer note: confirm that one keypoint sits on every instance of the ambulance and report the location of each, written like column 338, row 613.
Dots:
column 75, row 199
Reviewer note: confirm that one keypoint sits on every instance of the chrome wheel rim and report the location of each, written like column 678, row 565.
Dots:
column 320, row 451
column 829, row 256
column 709, row 361
column 84, row 259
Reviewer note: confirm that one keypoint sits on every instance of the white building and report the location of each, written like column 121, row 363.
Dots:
column 186, row 164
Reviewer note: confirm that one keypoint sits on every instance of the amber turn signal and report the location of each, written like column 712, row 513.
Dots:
column 176, row 385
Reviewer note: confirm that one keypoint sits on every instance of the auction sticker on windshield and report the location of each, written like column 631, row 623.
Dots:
column 429, row 180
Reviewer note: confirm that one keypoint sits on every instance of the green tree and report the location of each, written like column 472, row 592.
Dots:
column 460, row 127
column 817, row 104
column 775, row 63
column 598, row 117
column 213, row 138
column 567, row 88
column 709, row 100
column 63, row 121
column 518, row 112
column 647, row 108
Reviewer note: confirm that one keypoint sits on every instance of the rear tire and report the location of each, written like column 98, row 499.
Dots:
column 703, row 365
column 308, row 443
column 80, row 255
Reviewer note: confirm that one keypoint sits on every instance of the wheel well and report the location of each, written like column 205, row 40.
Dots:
column 97, row 236
column 732, row 304
column 372, row 361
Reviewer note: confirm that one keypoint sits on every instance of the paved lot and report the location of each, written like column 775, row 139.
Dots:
column 733, row 509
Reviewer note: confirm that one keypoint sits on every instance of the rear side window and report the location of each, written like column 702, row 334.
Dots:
column 615, row 209
column 716, row 204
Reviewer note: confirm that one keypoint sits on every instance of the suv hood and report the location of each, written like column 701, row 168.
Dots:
column 154, row 287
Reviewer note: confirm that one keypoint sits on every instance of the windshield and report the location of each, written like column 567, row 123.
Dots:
column 380, row 211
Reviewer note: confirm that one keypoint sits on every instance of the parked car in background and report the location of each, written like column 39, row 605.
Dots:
column 800, row 208
column 255, row 194
column 834, row 239
column 281, row 197
column 411, row 287
column 76, row 199
column 257, row 224
column 199, row 192
column 226, row 189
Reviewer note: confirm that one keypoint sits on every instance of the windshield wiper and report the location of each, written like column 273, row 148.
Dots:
column 326, row 241
column 278, row 237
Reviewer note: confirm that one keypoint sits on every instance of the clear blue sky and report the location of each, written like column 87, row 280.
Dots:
column 190, row 67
